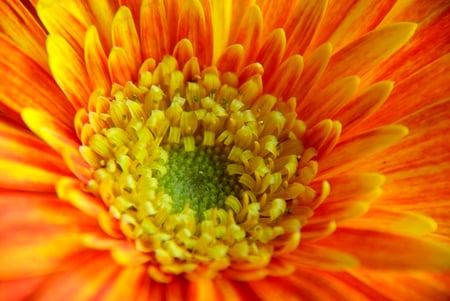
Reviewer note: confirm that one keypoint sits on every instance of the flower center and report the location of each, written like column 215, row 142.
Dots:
column 202, row 170
column 198, row 179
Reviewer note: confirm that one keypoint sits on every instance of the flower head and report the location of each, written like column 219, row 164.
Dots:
column 236, row 150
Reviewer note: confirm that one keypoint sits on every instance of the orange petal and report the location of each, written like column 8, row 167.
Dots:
column 348, row 20
column 347, row 154
column 418, row 169
column 125, row 36
column 339, row 212
column 404, row 286
column 355, row 187
column 314, row 66
column 154, row 30
column 433, row 20
column 281, row 83
column 151, row 290
column 233, row 290
column 378, row 250
column 322, row 258
column 326, row 103
column 309, row 284
column 20, row 289
column 29, row 163
column 119, row 66
column 221, row 14
column 250, row 32
column 49, row 129
column 231, row 58
column 20, row 25
column 183, row 51
column 69, row 71
column 394, row 221
column 193, row 26
column 37, row 234
column 64, row 21
column 96, row 61
column 275, row 14
column 362, row 106
column 102, row 16
column 204, row 290
column 87, row 279
column 28, row 85
column 411, row 94
column 272, row 51
column 60, row 139
column 133, row 6
column 302, row 25
column 370, row 50
column 323, row 136
column 126, row 285
column 70, row 190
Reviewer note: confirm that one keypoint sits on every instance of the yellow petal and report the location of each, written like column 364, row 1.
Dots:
column 285, row 78
column 327, row 102
column 394, row 221
column 272, row 51
column 378, row 250
column 193, row 26
column 355, row 19
column 347, row 154
column 154, row 29
column 18, row 24
column 68, row 70
column 96, row 61
column 28, row 163
column 368, row 51
column 315, row 64
column 120, row 69
column 125, row 36
column 364, row 104
column 314, row 256
column 250, row 32
column 232, row 58
column 302, row 25
column 39, row 90
column 66, row 22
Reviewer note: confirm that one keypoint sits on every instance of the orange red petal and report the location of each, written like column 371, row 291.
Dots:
column 29, row 85
column 68, row 70
column 19, row 25
column 154, row 29
column 193, row 24
column 28, row 162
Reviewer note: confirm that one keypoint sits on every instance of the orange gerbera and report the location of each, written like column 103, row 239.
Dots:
column 225, row 150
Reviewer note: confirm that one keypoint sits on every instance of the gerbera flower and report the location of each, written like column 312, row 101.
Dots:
column 230, row 150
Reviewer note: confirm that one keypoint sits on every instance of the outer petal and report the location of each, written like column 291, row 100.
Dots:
column 411, row 94
column 414, row 286
column 418, row 169
column 88, row 276
column 359, row 57
column 428, row 43
column 348, row 20
column 378, row 250
column 302, row 25
column 64, row 20
column 154, row 29
column 193, row 25
column 350, row 152
column 19, row 25
column 28, row 85
column 42, row 239
column 69, row 71
column 29, row 163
